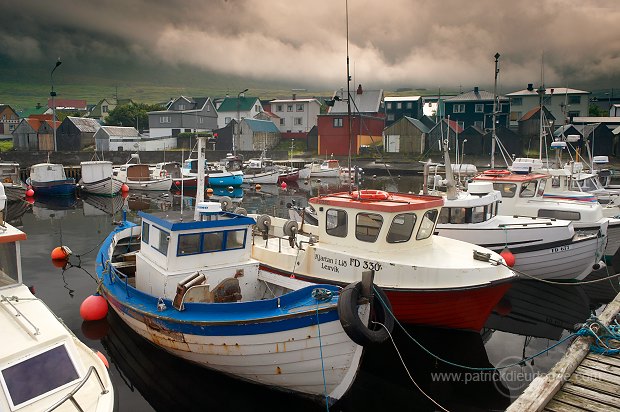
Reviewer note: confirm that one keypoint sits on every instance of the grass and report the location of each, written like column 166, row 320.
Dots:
column 6, row 145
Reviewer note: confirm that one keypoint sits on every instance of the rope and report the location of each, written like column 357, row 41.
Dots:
column 607, row 343
column 318, row 325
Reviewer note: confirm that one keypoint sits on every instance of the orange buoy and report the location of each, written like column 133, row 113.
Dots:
column 61, row 253
column 258, row 187
column 60, row 263
column 509, row 258
column 283, row 185
column 95, row 329
column 124, row 188
column 177, row 183
column 29, row 192
column 103, row 359
column 94, row 307
column 209, row 192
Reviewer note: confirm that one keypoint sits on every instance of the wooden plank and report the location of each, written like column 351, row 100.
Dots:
column 542, row 389
column 583, row 403
column 600, row 366
column 600, row 375
column 613, row 402
column 595, row 384
column 610, row 360
column 557, row 406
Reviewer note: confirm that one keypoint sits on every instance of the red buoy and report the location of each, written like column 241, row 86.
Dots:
column 94, row 307
column 509, row 258
column 61, row 253
column 30, row 200
column 29, row 192
column 103, row 359
column 124, row 188
column 283, row 185
column 209, row 192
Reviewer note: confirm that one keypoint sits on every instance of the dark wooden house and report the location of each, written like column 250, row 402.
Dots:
column 76, row 133
column 406, row 135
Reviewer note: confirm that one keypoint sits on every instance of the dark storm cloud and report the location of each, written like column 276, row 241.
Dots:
column 420, row 43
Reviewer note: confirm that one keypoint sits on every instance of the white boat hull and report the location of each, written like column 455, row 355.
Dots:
column 266, row 178
column 154, row 185
column 106, row 187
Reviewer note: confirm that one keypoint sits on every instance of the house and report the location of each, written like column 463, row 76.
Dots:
column 102, row 109
column 29, row 111
column 8, row 121
column 406, row 135
column 398, row 107
column 35, row 133
column 76, row 133
column 569, row 132
column 119, row 138
column 240, row 107
column 475, row 108
column 562, row 102
column 471, row 141
column 529, row 125
column 183, row 114
column 67, row 106
column 600, row 139
column 256, row 135
column 224, row 136
column 510, row 141
column 367, row 122
column 296, row 116
column 447, row 128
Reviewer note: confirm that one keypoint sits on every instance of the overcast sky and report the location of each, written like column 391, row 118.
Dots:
column 393, row 43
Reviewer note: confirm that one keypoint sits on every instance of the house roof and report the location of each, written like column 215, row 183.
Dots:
column 268, row 114
column 417, row 123
column 587, row 129
column 261, row 125
column 452, row 124
column 245, row 104
column 29, row 111
column 369, row 101
column 84, row 124
column 563, row 129
column 534, row 113
column 76, row 104
column 120, row 131
column 295, row 101
column 548, row 91
column 197, row 102
column 401, row 98
column 475, row 95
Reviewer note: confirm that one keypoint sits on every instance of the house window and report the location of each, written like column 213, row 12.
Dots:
column 208, row 108
column 516, row 101
column 104, row 109
column 390, row 117
column 164, row 119
column 298, row 121
column 479, row 108
column 479, row 124
column 336, row 223
column 388, row 105
column 227, row 120
column 409, row 105
column 181, row 107
column 282, row 123
column 574, row 99
column 515, row 116
column 574, row 114
column 338, row 122
column 458, row 108
column 257, row 107
column 201, row 120
column 461, row 124
column 300, row 107
column 289, row 107
column 368, row 226
column 399, row 105
column 278, row 108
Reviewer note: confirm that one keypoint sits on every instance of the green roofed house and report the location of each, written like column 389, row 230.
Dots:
column 257, row 135
column 242, row 107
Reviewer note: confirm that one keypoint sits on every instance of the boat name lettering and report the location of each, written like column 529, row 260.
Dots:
column 364, row 264
column 560, row 249
column 331, row 261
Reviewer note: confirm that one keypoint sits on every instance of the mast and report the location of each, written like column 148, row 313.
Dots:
column 541, row 93
column 494, row 134
column 200, row 178
column 348, row 96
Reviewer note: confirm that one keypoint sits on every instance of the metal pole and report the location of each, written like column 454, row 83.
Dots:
column 53, row 95
column 494, row 135
column 238, row 121
column 348, row 98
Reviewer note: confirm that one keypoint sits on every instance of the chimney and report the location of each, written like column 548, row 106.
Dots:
column 476, row 90
column 359, row 89
column 530, row 87
column 38, row 105
column 294, row 96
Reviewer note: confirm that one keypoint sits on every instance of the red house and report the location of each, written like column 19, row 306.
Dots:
column 367, row 123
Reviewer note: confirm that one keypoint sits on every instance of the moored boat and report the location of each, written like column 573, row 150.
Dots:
column 97, row 178
column 191, row 287
column 50, row 180
column 14, row 187
column 430, row 280
column 138, row 176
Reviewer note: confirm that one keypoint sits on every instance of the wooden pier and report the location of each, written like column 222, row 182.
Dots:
column 580, row 381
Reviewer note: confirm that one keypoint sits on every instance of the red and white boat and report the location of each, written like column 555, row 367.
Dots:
column 429, row 280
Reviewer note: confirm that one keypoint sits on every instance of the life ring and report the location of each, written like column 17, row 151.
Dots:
column 380, row 311
column 163, row 173
column 369, row 194
column 496, row 172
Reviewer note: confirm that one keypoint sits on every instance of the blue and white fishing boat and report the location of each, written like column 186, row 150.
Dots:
column 50, row 179
column 225, row 174
column 191, row 287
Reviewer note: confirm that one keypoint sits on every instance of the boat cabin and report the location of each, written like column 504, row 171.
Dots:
column 330, row 164
column 10, row 264
column 377, row 220
column 511, row 185
column 171, row 249
column 47, row 172
column 95, row 171
column 137, row 173
column 479, row 204
column 9, row 172
column 167, row 169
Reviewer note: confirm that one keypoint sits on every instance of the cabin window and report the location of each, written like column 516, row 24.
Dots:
column 559, row 214
column 506, row 189
column 367, row 226
column 145, row 232
column 195, row 243
column 235, row 239
column 428, row 224
column 555, row 181
column 8, row 266
column 528, row 189
column 162, row 244
column 478, row 214
column 458, row 214
column 336, row 223
column 37, row 375
column 541, row 188
column 189, row 244
column 213, row 242
column 401, row 228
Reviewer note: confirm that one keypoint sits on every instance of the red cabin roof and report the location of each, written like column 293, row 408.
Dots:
column 510, row 177
column 378, row 200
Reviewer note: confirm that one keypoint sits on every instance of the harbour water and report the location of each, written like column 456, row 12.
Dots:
column 531, row 317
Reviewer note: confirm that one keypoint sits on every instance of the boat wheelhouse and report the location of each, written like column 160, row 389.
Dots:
column 14, row 187
column 430, row 280
column 50, row 180
column 138, row 176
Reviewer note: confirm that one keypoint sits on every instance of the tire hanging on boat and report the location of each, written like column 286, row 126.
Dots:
column 380, row 311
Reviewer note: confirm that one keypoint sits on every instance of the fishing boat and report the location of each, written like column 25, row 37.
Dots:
column 97, row 178
column 167, row 169
column 215, row 175
column 43, row 365
column 190, row 287
column 326, row 168
column 138, row 176
column 288, row 174
column 523, row 195
column 14, row 187
column 50, row 180
column 261, row 171
column 430, row 280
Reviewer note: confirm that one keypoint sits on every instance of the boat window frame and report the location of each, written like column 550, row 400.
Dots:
column 403, row 240
column 526, row 191
column 145, row 233
column 541, row 188
column 559, row 214
column 166, row 238
column 502, row 186
column 76, row 367
column 367, row 237
column 224, row 246
column 419, row 234
column 337, row 231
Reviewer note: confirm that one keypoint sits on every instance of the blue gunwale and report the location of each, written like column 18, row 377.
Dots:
column 294, row 310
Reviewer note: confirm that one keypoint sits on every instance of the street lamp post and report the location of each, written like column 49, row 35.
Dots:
column 238, row 121
column 53, row 95
column 463, row 151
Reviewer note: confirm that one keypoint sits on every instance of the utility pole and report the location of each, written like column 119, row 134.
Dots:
column 494, row 133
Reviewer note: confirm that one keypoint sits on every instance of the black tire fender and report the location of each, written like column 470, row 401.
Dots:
column 380, row 311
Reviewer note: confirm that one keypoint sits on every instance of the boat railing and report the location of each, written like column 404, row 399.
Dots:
column 115, row 273
column 70, row 395
column 18, row 313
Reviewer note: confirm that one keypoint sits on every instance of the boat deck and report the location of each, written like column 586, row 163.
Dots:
column 580, row 381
